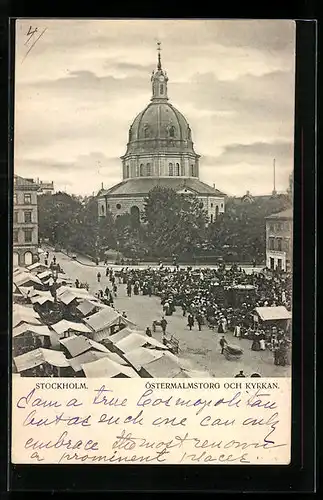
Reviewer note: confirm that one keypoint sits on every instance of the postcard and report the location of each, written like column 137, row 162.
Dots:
column 152, row 241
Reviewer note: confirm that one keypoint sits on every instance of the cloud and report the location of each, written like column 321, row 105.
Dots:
column 84, row 82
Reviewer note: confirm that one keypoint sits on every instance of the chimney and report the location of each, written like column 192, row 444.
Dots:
column 102, row 185
column 213, row 186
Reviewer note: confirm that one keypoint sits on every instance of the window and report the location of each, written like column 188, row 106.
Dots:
column 15, row 199
column 216, row 211
column 127, row 170
column 102, row 210
column 192, row 170
column 141, row 170
column 118, row 206
column 146, row 131
column 271, row 243
column 137, row 171
column 177, row 169
column 221, row 205
column 271, row 227
column 170, row 169
column 15, row 217
column 172, row 131
column 182, row 170
column 27, row 216
column 161, row 88
column 279, row 244
column 27, row 198
column 15, row 235
column 148, row 170
column 211, row 205
column 28, row 235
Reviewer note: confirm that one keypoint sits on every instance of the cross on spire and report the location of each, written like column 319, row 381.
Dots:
column 159, row 67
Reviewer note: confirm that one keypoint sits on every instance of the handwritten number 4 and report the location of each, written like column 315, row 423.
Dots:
column 31, row 32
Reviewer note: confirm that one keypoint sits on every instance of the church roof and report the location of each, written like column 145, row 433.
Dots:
column 141, row 186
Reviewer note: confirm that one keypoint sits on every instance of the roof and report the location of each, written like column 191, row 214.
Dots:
column 103, row 319
column 141, row 356
column 38, row 266
column 21, row 278
column 273, row 313
column 36, row 357
column 87, row 357
column 76, row 344
column 135, row 340
column 26, row 327
column 63, row 326
column 141, row 186
column 105, row 367
column 166, row 366
column 44, row 274
column 86, row 307
column 122, row 334
column 285, row 214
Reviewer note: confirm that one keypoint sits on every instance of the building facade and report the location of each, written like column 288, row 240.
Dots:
column 159, row 152
column 279, row 240
column 45, row 187
column 25, row 221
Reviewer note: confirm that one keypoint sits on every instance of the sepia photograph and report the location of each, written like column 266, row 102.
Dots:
column 153, row 198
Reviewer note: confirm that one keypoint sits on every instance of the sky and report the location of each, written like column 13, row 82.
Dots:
column 79, row 84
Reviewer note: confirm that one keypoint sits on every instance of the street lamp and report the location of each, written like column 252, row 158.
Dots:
column 55, row 270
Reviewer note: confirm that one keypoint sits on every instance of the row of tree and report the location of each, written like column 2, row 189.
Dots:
column 170, row 225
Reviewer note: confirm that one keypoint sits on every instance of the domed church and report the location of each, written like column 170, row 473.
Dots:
column 160, row 152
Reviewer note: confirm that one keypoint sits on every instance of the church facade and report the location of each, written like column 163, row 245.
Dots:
column 160, row 152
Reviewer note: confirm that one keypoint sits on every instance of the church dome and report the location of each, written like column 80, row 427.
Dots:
column 160, row 125
column 160, row 141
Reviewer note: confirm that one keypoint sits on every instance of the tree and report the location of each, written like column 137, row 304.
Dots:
column 175, row 223
column 240, row 233
column 73, row 224
column 130, row 236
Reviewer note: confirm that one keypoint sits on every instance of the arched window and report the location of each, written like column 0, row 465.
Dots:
column 102, row 209
column 182, row 170
column 170, row 169
column 127, row 170
column 135, row 212
column 148, row 169
column 146, row 131
column 28, row 258
column 172, row 131
column 161, row 89
column 216, row 211
column 137, row 171
column 141, row 170
column 192, row 170
column 177, row 169
column 15, row 261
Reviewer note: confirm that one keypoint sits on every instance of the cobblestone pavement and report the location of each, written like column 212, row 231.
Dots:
column 199, row 350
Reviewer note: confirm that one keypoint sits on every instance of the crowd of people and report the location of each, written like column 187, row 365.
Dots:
column 223, row 299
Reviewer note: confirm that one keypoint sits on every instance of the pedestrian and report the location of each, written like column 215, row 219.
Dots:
column 107, row 271
column 163, row 324
column 107, row 291
column 129, row 289
column 115, row 290
column 77, row 283
column 240, row 374
column 237, row 331
column 184, row 308
column 190, row 321
column 54, row 260
column 98, row 277
column 46, row 261
column 199, row 320
column 148, row 332
column 124, row 314
column 223, row 343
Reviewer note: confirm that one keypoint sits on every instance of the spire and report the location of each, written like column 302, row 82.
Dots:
column 159, row 66
column 159, row 80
